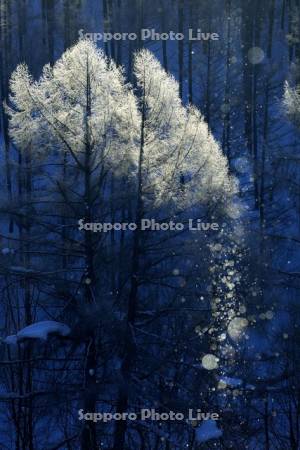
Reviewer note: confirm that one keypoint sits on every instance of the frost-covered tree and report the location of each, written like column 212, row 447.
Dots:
column 82, row 109
column 181, row 173
column 100, row 150
column 177, row 140
column 292, row 103
column 291, row 99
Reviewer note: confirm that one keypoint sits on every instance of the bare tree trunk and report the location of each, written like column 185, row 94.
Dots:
column 292, row 436
column 67, row 24
column 105, row 23
column 227, row 122
column 283, row 10
column 28, row 299
column 250, row 37
column 119, row 44
column 290, row 31
column 265, row 130
column 48, row 19
column 180, row 46
column 208, row 87
column 88, row 437
column 163, row 42
column 110, row 25
column 266, row 425
column 5, row 56
column 271, row 27
column 129, row 346
column 22, row 28
column 191, row 13
column 208, row 77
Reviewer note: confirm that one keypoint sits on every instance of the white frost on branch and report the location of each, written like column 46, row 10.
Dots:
column 178, row 141
column 52, row 112
column 291, row 103
column 182, row 163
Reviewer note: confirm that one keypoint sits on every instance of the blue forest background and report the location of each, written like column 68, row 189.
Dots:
column 96, row 357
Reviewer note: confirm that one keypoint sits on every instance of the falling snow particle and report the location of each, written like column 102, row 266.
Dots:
column 241, row 165
column 256, row 55
column 236, row 327
column 210, row 362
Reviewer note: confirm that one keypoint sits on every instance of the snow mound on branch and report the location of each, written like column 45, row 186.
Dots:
column 11, row 340
column 231, row 382
column 208, row 430
column 40, row 330
column 20, row 269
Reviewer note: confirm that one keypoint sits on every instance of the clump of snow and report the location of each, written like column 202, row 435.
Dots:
column 269, row 315
column 40, row 330
column 208, row 430
column 231, row 382
column 11, row 340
